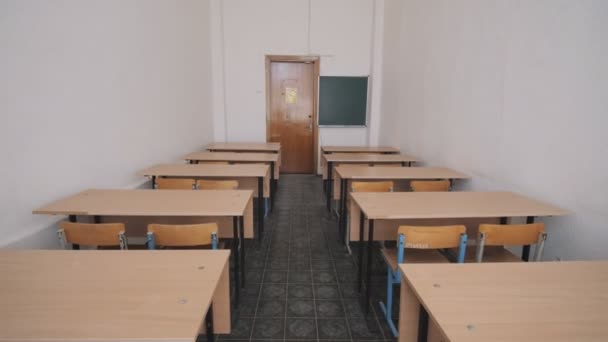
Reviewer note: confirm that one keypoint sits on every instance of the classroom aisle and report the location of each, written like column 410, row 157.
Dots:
column 301, row 283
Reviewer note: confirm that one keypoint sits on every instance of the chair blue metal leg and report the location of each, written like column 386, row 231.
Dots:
column 388, row 308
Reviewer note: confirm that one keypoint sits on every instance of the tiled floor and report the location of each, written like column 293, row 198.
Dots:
column 300, row 279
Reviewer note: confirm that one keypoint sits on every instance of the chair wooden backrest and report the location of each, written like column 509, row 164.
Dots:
column 174, row 183
column 511, row 235
column 187, row 235
column 372, row 186
column 430, row 186
column 203, row 184
column 431, row 237
column 92, row 234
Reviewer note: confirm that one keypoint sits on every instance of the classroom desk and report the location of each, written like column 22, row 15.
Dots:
column 539, row 301
column 269, row 147
column 252, row 177
column 113, row 295
column 136, row 208
column 359, row 149
column 357, row 158
column 271, row 159
column 347, row 173
column 386, row 211
column 356, row 149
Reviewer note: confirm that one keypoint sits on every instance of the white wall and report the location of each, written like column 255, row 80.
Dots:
column 340, row 31
column 512, row 92
column 90, row 92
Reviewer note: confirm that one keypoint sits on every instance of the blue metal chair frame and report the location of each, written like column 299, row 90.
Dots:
column 394, row 277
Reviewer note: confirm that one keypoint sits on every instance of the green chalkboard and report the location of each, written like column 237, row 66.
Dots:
column 342, row 101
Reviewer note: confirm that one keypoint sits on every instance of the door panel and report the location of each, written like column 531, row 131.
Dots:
column 291, row 114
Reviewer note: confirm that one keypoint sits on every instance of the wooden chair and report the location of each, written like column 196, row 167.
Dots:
column 419, row 245
column 188, row 235
column 92, row 234
column 430, row 186
column 174, row 184
column 496, row 236
column 203, row 184
column 364, row 187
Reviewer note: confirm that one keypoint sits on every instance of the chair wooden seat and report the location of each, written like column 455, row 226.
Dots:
column 490, row 254
column 204, row 184
column 413, row 256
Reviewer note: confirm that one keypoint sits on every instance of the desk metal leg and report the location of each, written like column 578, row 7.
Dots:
column 329, row 186
column 525, row 252
column 361, row 227
column 368, row 270
column 260, row 208
column 342, row 222
column 242, row 246
column 423, row 325
column 273, row 186
column 235, row 255
column 209, row 324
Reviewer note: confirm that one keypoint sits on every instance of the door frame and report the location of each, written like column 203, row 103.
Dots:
column 315, row 61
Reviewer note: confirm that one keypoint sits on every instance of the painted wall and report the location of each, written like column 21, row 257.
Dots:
column 343, row 32
column 91, row 92
column 512, row 92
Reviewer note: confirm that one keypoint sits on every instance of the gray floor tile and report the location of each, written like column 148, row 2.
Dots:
column 299, row 328
column 268, row 328
column 299, row 291
column 331, row 329
column 271, row 308
column 300, row 308
column 329, row 308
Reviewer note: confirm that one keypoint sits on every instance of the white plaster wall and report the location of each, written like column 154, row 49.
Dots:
column 91, row 92
column 512, row 92
column 341, row 32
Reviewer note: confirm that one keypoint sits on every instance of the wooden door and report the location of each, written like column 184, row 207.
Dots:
column 291, row 114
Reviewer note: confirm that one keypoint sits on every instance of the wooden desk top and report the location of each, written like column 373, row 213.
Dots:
column 106, row 295
column 233, row 156
column 368, row 158
column 456, row 204
column 207, row 170
column 359, row 149
column 370, row 172
column 537, row 301
column 271, row 147
column 151, row 203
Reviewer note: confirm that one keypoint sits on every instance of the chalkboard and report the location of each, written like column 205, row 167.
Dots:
column 342, row 101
